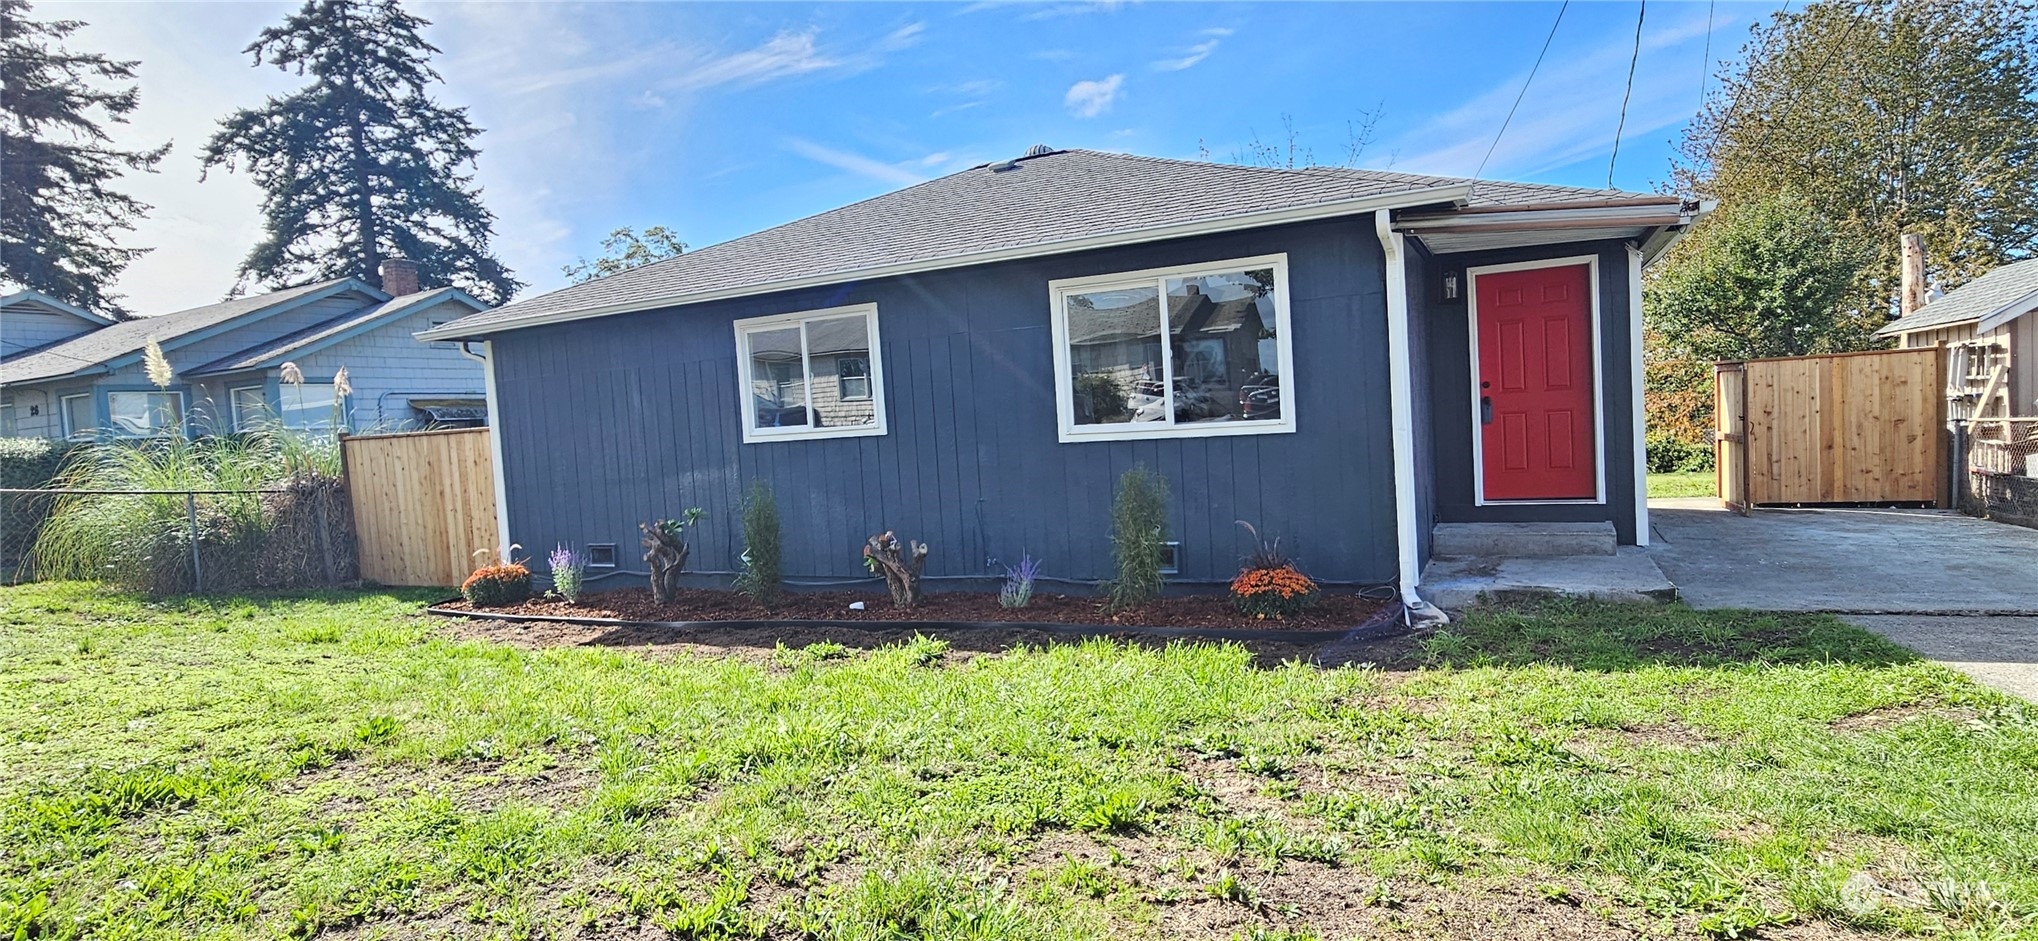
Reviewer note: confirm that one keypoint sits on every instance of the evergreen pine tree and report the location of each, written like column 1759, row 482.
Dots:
column 58, row 211
column 360, row 165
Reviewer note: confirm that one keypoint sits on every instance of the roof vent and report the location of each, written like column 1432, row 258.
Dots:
column 1039, row 150
column 1004, row 165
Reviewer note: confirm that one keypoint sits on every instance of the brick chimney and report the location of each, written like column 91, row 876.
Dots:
column 399, row 276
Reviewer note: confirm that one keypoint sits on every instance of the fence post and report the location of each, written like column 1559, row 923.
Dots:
column 191, row 516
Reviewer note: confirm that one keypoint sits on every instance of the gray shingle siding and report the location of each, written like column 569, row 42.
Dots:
column 22, row 329
column 387, row 362
column 611, row 422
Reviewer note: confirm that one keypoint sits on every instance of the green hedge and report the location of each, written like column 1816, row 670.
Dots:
column 26, row 464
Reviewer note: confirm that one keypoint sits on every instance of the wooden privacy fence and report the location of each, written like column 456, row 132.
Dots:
column 1843, row 428
column 423, row 503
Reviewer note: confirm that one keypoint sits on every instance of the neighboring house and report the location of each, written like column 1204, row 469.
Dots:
column 1312, row 370
column 2000, row 306
column 70, row 373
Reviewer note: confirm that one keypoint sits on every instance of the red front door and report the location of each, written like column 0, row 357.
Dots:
column 1536, row 432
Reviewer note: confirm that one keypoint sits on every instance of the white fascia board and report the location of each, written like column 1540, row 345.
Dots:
column 2008, row 312
column 1456, row 192
column 1612, row 215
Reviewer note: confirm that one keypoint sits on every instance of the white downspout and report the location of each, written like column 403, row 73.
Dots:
column 1401, row 385
column 1635, row 402
column 487, row 360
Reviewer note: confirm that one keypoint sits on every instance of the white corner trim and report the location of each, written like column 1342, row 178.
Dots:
column 1401, row 383
column 2003, row 315
column 746, row 398
column 1068, row 432
column 495, row 423
column 1598, row 379
column 1635, row 402
column 1452, row 193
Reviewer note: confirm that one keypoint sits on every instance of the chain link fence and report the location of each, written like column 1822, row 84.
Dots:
column 298, row 534
column 1998, row 462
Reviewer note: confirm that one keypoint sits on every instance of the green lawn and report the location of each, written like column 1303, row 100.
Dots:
column 332, row 765
column 1683, row 484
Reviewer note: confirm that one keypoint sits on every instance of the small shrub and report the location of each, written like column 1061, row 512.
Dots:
column 496, row 585
column 569, row 572
column 1018, row 587
column 761, row 577
column 1105, row 396
column 1139, row 534
column 1668, row 454
column 1269, row 585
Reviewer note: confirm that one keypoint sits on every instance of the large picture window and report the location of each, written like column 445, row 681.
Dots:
column 81, row 416
column 811, row 375
column 145, row 414
column 309, row 406
column 1174, row 352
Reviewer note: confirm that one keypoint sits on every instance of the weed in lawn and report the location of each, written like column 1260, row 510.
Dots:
column 1113, row 812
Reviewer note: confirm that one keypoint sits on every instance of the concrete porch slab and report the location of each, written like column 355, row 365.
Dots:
column 1627, row 575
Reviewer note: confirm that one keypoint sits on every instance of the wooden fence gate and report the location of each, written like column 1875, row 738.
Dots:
column 423, row 503
column 1844, row 428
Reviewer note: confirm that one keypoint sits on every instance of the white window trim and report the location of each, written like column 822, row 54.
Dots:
column 1064, row 370
column 755, row 435
column 183, row 411
column 233, row 405
column 1598, row 384
column 64, row 415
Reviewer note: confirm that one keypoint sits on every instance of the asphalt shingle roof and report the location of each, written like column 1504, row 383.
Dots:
column 1971, row 301
column 130, row 336
column 292, row 342
column 1061, row 196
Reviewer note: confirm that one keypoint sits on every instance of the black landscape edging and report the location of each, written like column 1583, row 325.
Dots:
column 1387, row 622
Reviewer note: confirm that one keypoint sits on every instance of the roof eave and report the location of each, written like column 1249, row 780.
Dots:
column 1899, row 328
column 2008, row 312
column 1453, row 193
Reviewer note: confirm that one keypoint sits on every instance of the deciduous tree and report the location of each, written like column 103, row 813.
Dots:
column 625, row 249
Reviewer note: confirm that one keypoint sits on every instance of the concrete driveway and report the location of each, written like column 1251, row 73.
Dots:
column 1958, row 590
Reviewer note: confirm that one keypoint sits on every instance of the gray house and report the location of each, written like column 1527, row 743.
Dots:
column 1345, row 358
column 68, row 373
column 1989, row 322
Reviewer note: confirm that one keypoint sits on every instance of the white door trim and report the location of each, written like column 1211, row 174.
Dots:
column 1598, row 394
column 1641, row 456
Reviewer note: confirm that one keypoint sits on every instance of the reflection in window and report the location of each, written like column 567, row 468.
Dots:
column 308, row 406
column 250, row 408
column 1221, row 362
column 816, row 374
column 145, row 414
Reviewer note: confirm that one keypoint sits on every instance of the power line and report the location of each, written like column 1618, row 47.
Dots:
column 1624, row 95
column 1705, row 61
column 1524, row 88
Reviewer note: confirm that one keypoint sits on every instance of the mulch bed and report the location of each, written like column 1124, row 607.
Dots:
column 1335, row 614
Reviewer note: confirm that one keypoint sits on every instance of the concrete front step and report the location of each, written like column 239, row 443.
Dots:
column 1626, row 575
column 1522, row 540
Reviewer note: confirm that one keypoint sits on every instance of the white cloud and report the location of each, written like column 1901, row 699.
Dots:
column 1219, row 31
column 1054, row 55
column 785, row 55
column 905, row 37
column 1189, row 57
column 855, row 163
column 1087, row 99
column 1569, row 112
column 935, row 159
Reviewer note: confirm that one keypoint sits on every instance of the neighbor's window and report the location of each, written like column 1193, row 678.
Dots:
column 79, row 417
column 811, row 375
column 145, row 414
column 1174, row 352
column 308, row 406
column 250, row 408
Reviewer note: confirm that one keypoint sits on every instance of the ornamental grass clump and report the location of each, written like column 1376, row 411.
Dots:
column 569, row 572
column 1139, row 535
column 1269, row 585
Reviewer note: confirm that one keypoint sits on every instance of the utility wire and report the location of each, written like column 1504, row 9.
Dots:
column 1705, row 61
column 1625, row 95
column 1524, row 88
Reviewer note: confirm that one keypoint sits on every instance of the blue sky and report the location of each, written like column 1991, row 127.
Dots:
column 720, row 119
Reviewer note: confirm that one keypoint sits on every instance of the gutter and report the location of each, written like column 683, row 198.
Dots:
column 1454, row 193
column 1401, row 382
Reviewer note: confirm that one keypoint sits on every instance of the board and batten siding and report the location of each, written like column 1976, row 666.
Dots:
column 609, row 422
column 1450, row 390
